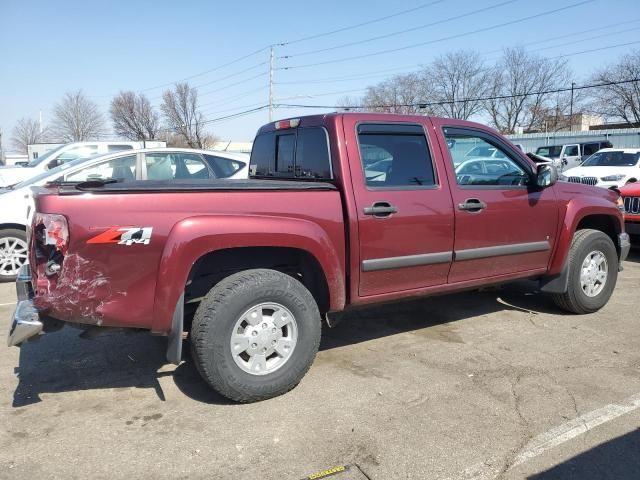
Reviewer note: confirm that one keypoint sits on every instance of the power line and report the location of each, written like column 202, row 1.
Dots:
column 232, row 99
column 235, row 115
column 595, row 49
column 205, row 72
column 573, row 34
column 400, row 32
column 410, row 68
column 358, row 25
column 463, row 100
column 290, row 42
column 406, row 47
column 235, row 74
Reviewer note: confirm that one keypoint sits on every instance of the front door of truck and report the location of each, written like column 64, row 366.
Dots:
column 503, row 225
column 404, row 209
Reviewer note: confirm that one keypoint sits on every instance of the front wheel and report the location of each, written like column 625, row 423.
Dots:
column 255, row 335
column 13, row 253
column 593, row 272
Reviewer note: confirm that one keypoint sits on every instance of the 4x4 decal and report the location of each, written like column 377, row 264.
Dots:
column 124, row 236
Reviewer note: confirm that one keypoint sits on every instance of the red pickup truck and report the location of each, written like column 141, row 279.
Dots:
column 341, row 210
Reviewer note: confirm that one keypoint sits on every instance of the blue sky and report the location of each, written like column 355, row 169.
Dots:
column 50, row 47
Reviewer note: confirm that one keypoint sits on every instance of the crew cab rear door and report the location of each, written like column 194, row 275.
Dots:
column 503, row 225
column 404, row 208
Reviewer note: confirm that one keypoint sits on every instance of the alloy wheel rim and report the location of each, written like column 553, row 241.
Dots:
column 593, row 273
column 13, row 254
column 263, row 338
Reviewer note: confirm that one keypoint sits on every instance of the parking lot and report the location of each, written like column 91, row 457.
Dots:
column 478, row 385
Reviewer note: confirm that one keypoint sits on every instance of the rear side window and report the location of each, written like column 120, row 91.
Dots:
column 301, row 153
column 395, row 156
column 224, row 167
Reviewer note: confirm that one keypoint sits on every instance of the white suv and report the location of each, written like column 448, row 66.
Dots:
column 609, row 167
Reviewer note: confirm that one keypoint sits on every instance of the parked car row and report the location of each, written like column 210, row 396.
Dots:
column 67, row 153
column 164, row 164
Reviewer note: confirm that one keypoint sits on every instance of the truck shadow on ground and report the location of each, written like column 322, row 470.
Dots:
column 616, row 459
column 64, row 362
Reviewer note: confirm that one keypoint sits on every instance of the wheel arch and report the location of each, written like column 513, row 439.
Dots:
column 218, row 246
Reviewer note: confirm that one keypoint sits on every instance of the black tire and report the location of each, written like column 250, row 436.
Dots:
column 11, row 233
column 575, row 300
column 216, row 317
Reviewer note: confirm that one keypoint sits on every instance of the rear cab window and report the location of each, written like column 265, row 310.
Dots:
column 297, row 153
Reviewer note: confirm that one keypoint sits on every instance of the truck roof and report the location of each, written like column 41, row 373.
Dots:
column 323, row 119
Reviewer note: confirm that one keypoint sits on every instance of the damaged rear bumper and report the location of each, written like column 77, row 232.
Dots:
column 26, row 321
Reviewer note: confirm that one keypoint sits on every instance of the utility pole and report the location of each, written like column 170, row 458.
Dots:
column 571, row 109
column 271, row 60
column 1, row 150
column 41, row 129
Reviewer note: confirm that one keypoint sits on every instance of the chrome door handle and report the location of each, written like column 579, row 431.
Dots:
column 380, row 209
column 472, row 205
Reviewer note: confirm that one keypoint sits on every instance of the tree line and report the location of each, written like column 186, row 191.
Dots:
column 517, row 91
column 77, row 118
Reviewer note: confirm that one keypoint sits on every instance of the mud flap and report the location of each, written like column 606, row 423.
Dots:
column 557, row 283
column 174, row 346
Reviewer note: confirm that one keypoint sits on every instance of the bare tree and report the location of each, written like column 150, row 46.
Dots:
column 26, row 132
column 182, row 115
column 457, row 83
column 77, row 119
column 520, row 82
column 133, row 116
column 621, row 101
column 400, row 94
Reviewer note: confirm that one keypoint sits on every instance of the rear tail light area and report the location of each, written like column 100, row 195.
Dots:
column 50, row 240
column 284, row 124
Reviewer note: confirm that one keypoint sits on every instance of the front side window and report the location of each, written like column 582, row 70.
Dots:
column 121, row 169
column 571, row 151
column 395, row 156
column 480, row 170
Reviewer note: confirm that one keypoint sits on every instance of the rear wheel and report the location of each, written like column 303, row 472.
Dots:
column 593, row 272
column 13, row 253
column 255, row 335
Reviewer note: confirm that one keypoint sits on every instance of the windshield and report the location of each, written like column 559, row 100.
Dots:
column 612, row 159
column 37, row 161
column 550, row 152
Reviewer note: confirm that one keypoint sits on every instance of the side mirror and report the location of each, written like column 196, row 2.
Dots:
column 53, row 164
column 546, row 175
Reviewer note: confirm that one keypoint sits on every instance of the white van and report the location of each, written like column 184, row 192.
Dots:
column 67, row 153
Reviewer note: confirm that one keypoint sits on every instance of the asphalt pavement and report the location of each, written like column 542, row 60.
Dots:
column 478, row 385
